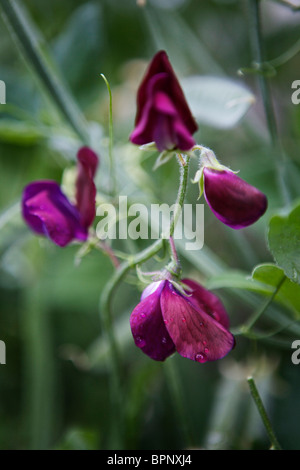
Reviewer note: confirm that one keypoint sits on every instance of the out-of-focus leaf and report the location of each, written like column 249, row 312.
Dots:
column 74, row 52
column 79, row 439
column 15, row 267
column 20, row 132
column 284, row 241
column 233, row 410
column 216, row 101
column 98, row 352
column 294, row 4
column 167, row 4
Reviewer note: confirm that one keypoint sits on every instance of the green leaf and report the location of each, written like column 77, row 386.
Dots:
column 264, row 280
column 284, row 241
column 289, row 292
column 216, row 101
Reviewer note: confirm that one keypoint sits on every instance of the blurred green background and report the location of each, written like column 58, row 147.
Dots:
column 54, row 389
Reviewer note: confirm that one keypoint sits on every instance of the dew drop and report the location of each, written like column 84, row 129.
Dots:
column 140, row 341
column 201, row 323
column 143, row 315
column 295, row 274
column 205, row 343
column 200, row 357
column 183, row 319
column 164, row 340
column 166, row 322
column 206, row 350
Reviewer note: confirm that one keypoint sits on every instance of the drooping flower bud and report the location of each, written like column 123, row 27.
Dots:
column 234, row 202
column 163, row 115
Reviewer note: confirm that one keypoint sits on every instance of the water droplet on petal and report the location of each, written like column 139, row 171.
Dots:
column 164, row 340
column 200, row 357
column 201, row 323
column 205, row 343
column 206, row 350
column 140, row 341
column 166, row 322
column 143, row 315
column 183, row 319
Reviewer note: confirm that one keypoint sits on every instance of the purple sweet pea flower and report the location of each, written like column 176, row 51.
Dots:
column 163, row 115
column 47, row 211
column 233, row 201
column 196, row 325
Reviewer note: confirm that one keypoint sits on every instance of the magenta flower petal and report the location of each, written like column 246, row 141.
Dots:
column 195, row 333
column 148, row 328
column 163, row 115
column 233, row 201
column 85, row 186
column 205, row 300
column 48, row 212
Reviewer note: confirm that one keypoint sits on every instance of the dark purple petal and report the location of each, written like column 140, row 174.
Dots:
column 48, row 212
column 205, row 300
column 85, row 186
column 196, row 334
column 232, row 200
column 163, row 115
column 148, row 328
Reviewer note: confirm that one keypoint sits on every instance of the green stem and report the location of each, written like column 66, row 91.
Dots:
column 258, row 56
column 174, row 254
column 287, row 55
column 184, row 171
column 106, row 301
column 27, row 42
column 39, row 388
column 261, row 409
column 111, row 159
